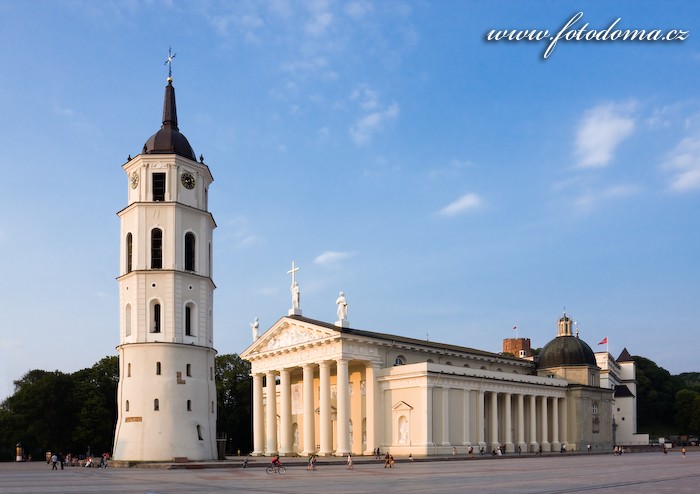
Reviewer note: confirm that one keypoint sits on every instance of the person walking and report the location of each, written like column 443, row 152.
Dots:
column 349, row 461
column 54, row 460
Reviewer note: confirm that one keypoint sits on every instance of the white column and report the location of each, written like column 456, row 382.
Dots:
column 325, row 408
column 481, row 419
column 467, row 441
column 494, row 421
column 545, row 427
column 343, row 408
column 258, row 416
column 428, row 396
column 309, row 425
column 564, row 423
column 556, row 445
column 271, row 415
column 285, row 413
column 371, row 405
column 521, row 423
column 533, row 424
column 508, row 425
column 445, row 416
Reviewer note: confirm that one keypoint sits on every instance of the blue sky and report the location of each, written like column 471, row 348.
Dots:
column 451, row 186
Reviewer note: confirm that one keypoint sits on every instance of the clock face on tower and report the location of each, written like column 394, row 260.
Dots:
column 187, row 180
column 134, row 180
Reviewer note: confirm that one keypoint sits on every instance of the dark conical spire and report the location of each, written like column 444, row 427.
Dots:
column 169, row 139
column 169, row 107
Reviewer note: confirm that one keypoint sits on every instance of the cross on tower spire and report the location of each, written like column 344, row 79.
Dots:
column 169, row 63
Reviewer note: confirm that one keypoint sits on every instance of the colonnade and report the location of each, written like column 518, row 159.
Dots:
column 492, row 414
column 500, row 420
column 267, row 439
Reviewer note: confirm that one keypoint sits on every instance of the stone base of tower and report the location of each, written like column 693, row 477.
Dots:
column 167, row 403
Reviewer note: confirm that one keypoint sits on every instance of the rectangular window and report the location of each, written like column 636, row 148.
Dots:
column 156, row 318
column 159, row 186
column 188, row 320
column 156, row 248
column 189, row 370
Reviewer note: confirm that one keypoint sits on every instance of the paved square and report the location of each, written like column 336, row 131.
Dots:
column 638, row 473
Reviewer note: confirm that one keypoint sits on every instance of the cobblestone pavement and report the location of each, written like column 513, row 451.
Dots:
column 638, row 473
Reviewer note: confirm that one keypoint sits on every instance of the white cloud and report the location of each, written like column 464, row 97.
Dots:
column 684, row 163
column 332, row 257
column 376, row 117
column 321, row 18
column 465, row 203
column 367, row 98
column 451, row 170
column 357, row 10
column 63, row 112
column 367, row 126
column 601, row 131
column 593, row 199
column 248, row 241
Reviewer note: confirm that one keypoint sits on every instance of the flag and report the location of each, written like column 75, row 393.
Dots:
column 604, row 342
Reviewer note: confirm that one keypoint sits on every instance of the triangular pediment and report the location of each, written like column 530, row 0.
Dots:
column 402, row 406
column 287, row 333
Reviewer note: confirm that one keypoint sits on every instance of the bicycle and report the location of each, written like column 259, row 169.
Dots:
column 276, row 469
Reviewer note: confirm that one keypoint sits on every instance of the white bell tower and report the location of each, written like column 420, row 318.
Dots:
column 167, row 394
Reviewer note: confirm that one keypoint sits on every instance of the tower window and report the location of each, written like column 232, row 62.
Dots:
column 156, row 405
column 129, row 251
column 156, row 318
column 189, row 370
column 159, row 186
column 128, row 369
column 127, row 319
column 189, row 251
column 199, row 432
column 127, row 406
column 158, row 368
column 156, row 248
column 189, row 405
column 188, row 320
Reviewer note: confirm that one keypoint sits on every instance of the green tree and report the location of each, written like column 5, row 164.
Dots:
column 656, row 397
column 234, row 395
column 685, row 408
column 42, row 411
column 96, row 394
column 695, row 418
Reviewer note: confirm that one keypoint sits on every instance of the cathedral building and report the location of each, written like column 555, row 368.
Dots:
column 166, row 395
column 332, row 389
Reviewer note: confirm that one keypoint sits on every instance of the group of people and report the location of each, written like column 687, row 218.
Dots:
column 58, row 459
column 313, row 457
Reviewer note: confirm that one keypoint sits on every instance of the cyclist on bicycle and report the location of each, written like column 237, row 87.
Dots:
column 276, row 461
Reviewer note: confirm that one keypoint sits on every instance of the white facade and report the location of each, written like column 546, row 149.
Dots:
column 167, row 393
column 321, row 388
column 620, row 375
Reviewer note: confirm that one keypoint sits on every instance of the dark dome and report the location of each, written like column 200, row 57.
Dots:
column 564, row 351
column 169, row 139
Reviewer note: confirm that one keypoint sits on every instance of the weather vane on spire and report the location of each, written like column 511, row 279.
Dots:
column 169, row 62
